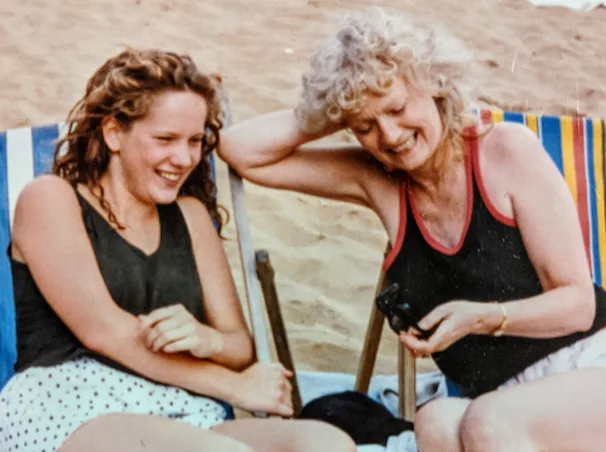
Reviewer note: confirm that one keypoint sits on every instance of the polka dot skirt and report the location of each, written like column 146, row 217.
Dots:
column 41, row 407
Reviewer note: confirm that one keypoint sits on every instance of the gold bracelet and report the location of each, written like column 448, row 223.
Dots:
column 498, row 332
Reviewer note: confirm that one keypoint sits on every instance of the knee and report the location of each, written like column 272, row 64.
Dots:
column 487, row 425
column 325, row 437
column 437, row 424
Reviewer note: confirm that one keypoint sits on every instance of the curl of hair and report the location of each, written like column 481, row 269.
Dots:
column 125, row 87
column 374, row 47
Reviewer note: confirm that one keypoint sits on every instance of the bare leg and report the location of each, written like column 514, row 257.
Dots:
column 273, row 435
column 564, row 412
column 142, row 433
column 437, row 425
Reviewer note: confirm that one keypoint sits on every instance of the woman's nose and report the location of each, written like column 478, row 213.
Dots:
column 390, row 133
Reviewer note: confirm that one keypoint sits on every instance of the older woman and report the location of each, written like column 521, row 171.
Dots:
column 486, row 245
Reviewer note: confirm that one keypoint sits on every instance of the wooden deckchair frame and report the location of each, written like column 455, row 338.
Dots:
column 259, row 283
column 407, row 402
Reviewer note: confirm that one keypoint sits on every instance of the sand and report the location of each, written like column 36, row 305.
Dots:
column 326, row 255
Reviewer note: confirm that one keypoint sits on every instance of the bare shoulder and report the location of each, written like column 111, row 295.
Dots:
column 196, row 215
column 47, row 185
column 43, row 196
column 48, row 200
column 510, row 144
column 193, row 208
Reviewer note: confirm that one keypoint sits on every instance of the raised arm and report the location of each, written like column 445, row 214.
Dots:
column 269, row 150
column 48, row 208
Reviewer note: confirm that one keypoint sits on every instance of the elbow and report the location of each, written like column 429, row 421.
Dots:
column 235, row 160
column 585, row 310
column 241, row 166
column 248, row 358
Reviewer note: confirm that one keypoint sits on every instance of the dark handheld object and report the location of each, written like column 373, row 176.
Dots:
column 399, row 315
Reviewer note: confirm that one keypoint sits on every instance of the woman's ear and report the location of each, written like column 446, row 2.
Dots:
column 112, row 134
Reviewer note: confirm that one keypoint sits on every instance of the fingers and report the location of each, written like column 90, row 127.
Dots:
column 267, row 389
column 434, row 317
column 184, row 332
column 280, row 367
column 166, row 325
column 182, row 345
column 161, row 314
column 285, row 407
column 441, row 339
column 419, row 347
column 283, row 410
column 167, row 332
column 282, row 390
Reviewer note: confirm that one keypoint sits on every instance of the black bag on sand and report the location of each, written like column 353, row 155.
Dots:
column 363, row 419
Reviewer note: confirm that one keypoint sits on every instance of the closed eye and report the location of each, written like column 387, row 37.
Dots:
column 362, row 130
column 197, row 141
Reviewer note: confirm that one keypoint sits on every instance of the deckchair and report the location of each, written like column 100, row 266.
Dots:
column 28, row 151
column 577, row 146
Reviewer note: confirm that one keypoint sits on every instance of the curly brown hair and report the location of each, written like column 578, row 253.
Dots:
column 125, row 87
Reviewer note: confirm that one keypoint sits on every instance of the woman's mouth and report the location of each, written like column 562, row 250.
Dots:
column 171, row 177
column 406, row 146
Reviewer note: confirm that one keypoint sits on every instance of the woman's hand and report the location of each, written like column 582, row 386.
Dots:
column 265, row 388
column 174, row 329
column 453, row 321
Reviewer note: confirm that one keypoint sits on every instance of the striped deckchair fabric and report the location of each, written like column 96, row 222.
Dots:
column 24, row 153
column 577, row 145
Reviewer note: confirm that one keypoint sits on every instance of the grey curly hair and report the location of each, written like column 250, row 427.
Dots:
column 364, row 57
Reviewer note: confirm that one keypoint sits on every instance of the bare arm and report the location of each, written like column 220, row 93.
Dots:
column 221, row 302
column 547, row 218
column 77, row 293
column 269, row 150
column 523, row 183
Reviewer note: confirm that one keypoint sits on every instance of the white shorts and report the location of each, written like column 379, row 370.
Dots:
column 42, row 406
column 588, row 352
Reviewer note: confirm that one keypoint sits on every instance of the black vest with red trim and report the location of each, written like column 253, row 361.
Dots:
column 489, row 263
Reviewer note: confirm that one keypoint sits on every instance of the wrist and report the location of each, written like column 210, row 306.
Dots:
column 232, row 383
column 218, row 343
column 210, row 343
column 500, row 322
column 490, row 319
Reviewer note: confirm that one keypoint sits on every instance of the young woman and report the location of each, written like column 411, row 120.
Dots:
column 130, row 332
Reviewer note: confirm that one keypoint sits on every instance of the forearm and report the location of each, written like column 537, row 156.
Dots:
column 235, row 351
column 557, row 312
column 263, row 140
column 126, row 346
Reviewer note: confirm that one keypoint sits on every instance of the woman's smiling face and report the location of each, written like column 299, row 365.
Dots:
column 401, row 128
column 157, row 153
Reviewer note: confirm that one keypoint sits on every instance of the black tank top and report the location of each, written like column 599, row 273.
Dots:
column 138, row 283
column 489, row 264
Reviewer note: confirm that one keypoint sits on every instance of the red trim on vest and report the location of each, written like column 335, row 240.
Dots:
column 395, row 250
column 428, row 238
column 475, row 151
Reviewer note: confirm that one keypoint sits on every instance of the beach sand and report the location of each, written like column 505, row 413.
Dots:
column 326, row 255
